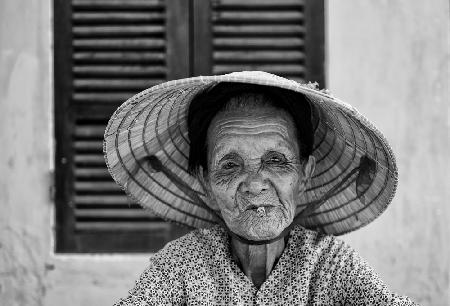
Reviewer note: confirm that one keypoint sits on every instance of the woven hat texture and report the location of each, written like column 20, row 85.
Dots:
column 153, row 124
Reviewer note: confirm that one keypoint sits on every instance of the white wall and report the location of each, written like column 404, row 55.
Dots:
column 389, row 58
column 30, row 273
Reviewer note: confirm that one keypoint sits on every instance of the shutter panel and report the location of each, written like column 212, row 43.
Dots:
column 283, row 37
column 258, row 35
column 115, row 49
column 108, row 50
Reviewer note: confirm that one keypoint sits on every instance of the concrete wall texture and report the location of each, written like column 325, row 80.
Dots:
column 390, row 60
column 387, row 58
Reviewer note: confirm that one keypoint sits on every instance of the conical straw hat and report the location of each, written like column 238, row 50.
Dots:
column 152, row 126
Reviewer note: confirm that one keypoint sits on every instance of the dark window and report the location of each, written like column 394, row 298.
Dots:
column 108, row 50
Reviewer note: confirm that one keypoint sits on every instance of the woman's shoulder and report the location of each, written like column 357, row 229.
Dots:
column 320, row 244
column 199, row 239
column 194, row 246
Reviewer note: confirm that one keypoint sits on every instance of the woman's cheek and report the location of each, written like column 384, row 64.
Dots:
column 286, row 186
column 225, row 198
column 288, row 190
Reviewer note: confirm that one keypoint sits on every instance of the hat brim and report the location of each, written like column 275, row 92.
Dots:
column 154, row 123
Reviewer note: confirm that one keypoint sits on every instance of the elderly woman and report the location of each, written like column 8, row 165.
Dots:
column 268, row 171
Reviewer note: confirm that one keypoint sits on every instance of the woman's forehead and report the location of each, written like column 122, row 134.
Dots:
column 253, row 147
column 252, row 129
column 248, row 112
column 252, row 124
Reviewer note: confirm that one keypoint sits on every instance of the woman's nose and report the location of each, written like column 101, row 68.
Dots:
column 254, row 185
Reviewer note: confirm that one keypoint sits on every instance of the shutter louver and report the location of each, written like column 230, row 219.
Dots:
column 119, row 49
column 99, row 203
column 108, row 50
column 259, row 35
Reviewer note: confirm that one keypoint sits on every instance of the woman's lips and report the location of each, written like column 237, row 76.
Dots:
column 260, row 211
column 254, row 206
column 253, row 203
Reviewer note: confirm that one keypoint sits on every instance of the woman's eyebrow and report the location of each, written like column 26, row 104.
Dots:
column 230, row 155
column 283, row 146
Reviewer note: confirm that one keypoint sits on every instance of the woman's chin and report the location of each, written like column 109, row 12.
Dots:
column 260, row 234
column 261, row 228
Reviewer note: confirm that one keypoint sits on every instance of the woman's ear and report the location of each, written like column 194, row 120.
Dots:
column 307, row 170
column 202, row 177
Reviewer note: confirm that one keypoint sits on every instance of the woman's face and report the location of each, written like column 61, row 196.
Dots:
column 254, row 162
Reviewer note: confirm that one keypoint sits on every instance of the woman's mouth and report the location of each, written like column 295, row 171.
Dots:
column 260, row 206
column 261, row 212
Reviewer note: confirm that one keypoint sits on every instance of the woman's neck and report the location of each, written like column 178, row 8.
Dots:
column 257, row 261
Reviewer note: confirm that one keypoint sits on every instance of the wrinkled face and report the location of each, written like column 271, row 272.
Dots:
column 253, row 163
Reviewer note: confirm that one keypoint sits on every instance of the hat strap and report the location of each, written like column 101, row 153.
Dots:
column 157, row 166
column 366, row 174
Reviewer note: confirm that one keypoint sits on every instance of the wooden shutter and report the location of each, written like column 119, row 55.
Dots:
column 284, row 37
column 105, row 52
column 108, row 50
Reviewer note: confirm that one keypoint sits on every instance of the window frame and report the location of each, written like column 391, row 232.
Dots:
column 195, row 60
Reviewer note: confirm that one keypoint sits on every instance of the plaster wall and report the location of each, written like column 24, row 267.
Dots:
column 30, row 273
column 388, row 58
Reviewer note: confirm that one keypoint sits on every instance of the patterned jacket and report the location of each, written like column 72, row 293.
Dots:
column 314, row 269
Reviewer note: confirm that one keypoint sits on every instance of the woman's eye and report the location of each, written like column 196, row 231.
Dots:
column 229, row 165
column 275, row 160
